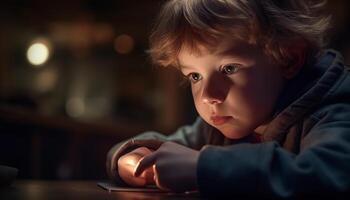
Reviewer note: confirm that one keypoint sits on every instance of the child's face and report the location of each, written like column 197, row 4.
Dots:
column 235, row 88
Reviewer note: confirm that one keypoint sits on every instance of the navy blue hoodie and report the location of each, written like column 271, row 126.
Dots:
column 304, row 150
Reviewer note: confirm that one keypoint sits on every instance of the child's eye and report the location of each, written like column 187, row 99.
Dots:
column 229, row 69
column 194, row 77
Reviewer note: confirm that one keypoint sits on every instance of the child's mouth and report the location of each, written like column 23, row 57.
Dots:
column 220, row 120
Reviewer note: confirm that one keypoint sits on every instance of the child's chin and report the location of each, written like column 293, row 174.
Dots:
column 233, row 133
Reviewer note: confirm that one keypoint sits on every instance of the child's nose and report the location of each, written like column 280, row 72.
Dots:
column 215, row 90
column 212, row 101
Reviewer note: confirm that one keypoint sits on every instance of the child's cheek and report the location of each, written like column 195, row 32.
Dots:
column 196, row 93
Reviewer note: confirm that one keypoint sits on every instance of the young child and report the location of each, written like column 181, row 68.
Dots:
column 274, row 106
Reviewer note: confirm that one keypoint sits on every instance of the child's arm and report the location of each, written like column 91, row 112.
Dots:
column 265, row 169
column 321, row 167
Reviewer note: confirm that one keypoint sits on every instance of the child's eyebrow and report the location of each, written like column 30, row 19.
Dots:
column 232, row 50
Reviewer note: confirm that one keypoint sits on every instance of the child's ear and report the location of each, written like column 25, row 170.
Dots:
column 297, row 53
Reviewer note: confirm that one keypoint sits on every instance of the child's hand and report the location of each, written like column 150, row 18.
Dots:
column 174, row 167
column 127, row 164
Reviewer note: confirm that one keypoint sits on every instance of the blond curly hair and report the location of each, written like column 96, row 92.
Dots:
column 270, row 24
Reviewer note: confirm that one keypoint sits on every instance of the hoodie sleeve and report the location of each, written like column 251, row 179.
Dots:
column 193, row 136
column 321, row 167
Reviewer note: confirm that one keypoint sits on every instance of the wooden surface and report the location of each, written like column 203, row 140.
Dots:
column 77, row 190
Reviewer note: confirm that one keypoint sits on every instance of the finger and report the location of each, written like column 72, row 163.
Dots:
column 144, row 163
column 156, row 179
column 141, row 151
column 151, row 144
column 132, row 160
column 149, row 176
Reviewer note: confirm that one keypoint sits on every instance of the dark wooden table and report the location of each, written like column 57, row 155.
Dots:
column 75, row 190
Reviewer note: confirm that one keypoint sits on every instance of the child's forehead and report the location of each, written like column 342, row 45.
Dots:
column 238, row 48
column 225, row 50
column 222, row 48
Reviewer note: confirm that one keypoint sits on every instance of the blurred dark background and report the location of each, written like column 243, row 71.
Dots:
column 75, row 79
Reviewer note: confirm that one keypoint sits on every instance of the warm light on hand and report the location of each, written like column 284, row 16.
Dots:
column 127, row 165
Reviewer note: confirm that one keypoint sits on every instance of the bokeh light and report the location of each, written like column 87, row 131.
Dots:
column 124, row 44
column 75, row 107
column 38, row 53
